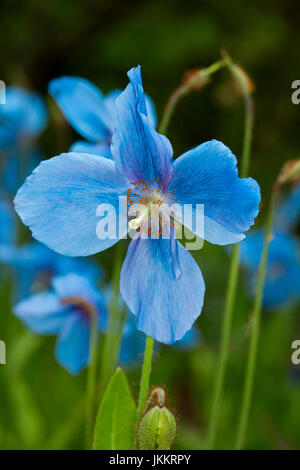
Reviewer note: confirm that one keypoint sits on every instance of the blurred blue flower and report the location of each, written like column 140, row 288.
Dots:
column 35, row 265
column 90, row 113
column 22, row 119
column 7, row 223
column 66, row 311
column 160, row 282
column 288, row 214
column 283, row 269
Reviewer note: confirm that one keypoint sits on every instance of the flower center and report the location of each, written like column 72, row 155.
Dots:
column 150, row 209
column 84, row 308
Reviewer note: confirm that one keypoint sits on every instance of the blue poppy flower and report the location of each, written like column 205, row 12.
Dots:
column 22, row 119
column 89, row 112
column 66, row 311
column 160, row 282
column 35, row 266
column 283, row 269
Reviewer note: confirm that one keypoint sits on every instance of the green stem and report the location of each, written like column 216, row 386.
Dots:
column 225, row 342
column 234, row 269
column 194, row 81
column 253, row 347
column 247, row 136
column 91, row 380
column 145, row 377
column 112, row 340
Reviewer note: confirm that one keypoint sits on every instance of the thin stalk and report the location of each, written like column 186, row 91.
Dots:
column 145, row 377
column 195, row 80
column 224, row 350
column 91, row 380
column 253, row 347
column 234, row 265
column 113, row 336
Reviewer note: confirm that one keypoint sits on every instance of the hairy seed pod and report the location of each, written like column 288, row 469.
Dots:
column 157, row 429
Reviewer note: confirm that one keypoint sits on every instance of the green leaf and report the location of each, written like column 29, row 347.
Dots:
column 115, row 423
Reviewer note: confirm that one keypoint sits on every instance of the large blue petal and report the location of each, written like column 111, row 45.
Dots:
column 83, row 106
column 72, row 350
column 166, row 304
column 42, row 313
column 59, row 202
column 23, row 115
column 75, row 285
column 138, row 150
column 208, row 175
column 110, row 101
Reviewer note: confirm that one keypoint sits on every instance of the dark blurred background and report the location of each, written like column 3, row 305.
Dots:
column 102, row 40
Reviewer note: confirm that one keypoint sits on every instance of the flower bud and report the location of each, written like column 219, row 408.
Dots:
column 244, row 83
column 290, row 172
column 195, row 79
column 157, row 429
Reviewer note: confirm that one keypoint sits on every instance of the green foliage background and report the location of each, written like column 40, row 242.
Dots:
column 41, row 404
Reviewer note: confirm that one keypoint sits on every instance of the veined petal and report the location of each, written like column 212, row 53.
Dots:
column 83, row 105
column 102, row 148
column 42, row 312
column 208, row 175
column 72, row 350
column 138, row 150
column 165, row 305
column 60, row 199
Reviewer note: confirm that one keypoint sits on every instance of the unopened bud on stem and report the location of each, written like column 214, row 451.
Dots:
column 157, row 429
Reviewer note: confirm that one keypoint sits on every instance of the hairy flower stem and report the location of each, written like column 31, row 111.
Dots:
column 243, row 85
column 145, row 378
column 195, row 80
column 91, row 379
column 112, row 340
column 253, row 347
